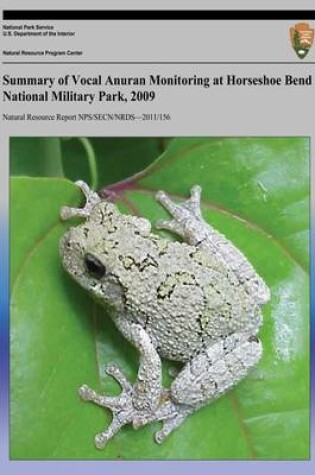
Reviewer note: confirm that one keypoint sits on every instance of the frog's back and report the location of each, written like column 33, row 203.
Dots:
column 193, row 301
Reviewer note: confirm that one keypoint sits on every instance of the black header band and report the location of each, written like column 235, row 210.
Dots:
column 294, row 15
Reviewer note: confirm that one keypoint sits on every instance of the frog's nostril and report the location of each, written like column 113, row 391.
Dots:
column 68, row 243
column 65, row 243
column 253, row 338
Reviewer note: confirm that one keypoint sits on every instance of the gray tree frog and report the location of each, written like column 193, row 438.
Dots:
column 196, row 302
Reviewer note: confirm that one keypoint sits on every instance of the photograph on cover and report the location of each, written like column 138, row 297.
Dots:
column 194, row 332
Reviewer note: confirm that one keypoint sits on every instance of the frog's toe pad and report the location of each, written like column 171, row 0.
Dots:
column 92, row 198
column 181, row 212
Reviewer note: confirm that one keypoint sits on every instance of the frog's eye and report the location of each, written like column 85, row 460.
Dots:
column 94, row 266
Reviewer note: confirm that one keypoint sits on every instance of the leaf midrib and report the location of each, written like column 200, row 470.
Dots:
column 28, row 254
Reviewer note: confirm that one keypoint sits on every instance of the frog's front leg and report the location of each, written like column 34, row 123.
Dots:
column 92, row 199
column 137, row 403
column 206, row 377
column 121, row 406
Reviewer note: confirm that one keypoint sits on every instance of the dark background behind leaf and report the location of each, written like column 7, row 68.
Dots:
column 255, row 191
column 115, row 158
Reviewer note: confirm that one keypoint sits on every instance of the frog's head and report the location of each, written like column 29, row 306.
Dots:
column 87, row 256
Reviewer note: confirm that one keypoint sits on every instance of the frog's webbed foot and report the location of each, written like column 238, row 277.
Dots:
column 92, row 198
column 171, row 423
column 206, row 377
column 121, row 406
column 186, row 216
column 169, row 412
column 125, row 411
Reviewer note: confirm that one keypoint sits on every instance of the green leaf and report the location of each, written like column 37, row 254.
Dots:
column 255, row 191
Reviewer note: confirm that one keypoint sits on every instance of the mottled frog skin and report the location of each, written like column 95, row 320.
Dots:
column 196, row 301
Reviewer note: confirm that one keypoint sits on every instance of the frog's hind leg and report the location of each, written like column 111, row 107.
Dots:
column 216, row 369
column 206, row 377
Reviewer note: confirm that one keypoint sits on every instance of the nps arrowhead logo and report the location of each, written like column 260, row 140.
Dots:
column 302, row 38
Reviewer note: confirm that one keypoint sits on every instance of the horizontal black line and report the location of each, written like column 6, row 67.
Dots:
column 159, row 62
column 158, row 15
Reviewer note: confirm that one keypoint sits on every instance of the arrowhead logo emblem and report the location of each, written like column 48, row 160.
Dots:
column 302, row 38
